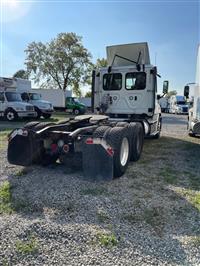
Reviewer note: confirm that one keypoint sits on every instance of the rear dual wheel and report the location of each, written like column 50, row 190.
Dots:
column 118, row 139
column 136, row 138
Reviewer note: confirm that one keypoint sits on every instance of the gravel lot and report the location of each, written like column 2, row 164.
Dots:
column 150, row 216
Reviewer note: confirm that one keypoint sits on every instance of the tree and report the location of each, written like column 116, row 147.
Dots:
column 62, row 62
column 101, row 63
column 21, row 74
column 88, row 94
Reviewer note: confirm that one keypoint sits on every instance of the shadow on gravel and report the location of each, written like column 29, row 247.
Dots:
column 149, row 208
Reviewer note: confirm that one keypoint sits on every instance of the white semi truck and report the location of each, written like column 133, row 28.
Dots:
column 125, row 110
column 194, row 112
column 11, row 105
column 42, row 107
column 164, row 104
column 178, row 105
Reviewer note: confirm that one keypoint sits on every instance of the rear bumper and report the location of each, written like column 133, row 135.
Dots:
column 27, row 114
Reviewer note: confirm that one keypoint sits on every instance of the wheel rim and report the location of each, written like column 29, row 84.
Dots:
column 76, row 112
column 124, row 153
column 10, row 116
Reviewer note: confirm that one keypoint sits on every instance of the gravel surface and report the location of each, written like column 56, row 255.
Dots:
column 147, row 217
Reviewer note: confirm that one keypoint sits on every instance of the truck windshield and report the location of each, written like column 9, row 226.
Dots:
column 76, row 100
column 13, row 97
column 181, row 102
column 35, row 96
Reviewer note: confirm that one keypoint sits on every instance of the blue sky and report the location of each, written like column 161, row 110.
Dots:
column 172, row 29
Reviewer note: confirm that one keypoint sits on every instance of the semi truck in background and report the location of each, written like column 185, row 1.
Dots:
column 62, row 100
column 194, row 112
column 42, row 107
column 124, row 102
column 178, row 105
column 164, row 104
column 23, row 87
column 11, row 105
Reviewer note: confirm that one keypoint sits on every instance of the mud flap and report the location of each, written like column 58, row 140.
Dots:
column 97, row 163
column 22, row 150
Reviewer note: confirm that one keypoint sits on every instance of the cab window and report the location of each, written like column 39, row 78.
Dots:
column 112, row 82
column 136, row 81
column 2, row 98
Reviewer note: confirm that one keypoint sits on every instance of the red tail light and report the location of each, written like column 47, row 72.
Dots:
column 89, row 141
column 54, row 147
column 110, row 151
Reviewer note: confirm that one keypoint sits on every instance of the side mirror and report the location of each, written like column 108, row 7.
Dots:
column 186, row 91
column 158, row 97
column 109, row 69
column 165, row 86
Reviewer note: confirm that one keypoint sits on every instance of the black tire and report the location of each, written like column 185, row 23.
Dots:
column 115, row 138
column 191, row 134
column 46, row 116
column 31, row 125
column 101, row 131
column 76, row 111
column 10, row 115
column 122, row 124
column 136, row 133
column 43, row 125
column 39, row 113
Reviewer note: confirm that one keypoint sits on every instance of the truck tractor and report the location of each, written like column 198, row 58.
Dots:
column 125, row 110
column 75, row 106
column 178, row 105
column 42, row 107
column 194, row 112
column 11, row 105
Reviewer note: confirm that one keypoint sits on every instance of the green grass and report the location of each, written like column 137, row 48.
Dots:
column 22, row 172
column 107, row 239
column 195, row 240
column 27, row 247
column 102, row 216
column 192, row 196
column 195, row 199
column 169, row 175
column 5, row 198
column 3, row 138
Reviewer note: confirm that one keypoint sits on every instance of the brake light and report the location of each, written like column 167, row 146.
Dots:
column 89, row 141
column 110, row 151
column 54, row 147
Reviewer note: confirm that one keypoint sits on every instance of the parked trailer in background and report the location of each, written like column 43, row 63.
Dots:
column 124, row 96
column 178, row 105
column 56, row 96
column 62, row 100
column 194, row 112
